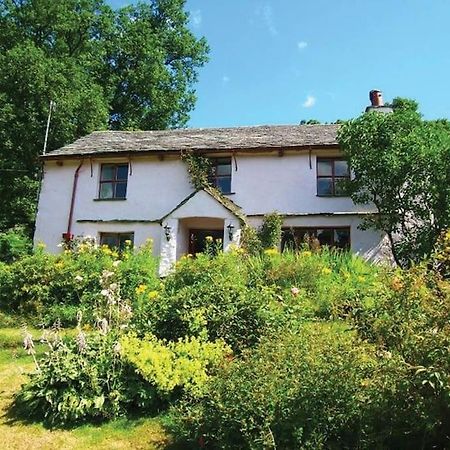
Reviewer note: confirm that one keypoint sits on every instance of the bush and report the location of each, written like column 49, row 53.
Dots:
column 270, row 232
column 14, row 244
column 307, row 388
column 54, row 287
column 209, row 298
column 173, row 368
column 83, row 379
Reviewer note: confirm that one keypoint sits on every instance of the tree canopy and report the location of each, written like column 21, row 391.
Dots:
column 401, row 163
column 132, row 68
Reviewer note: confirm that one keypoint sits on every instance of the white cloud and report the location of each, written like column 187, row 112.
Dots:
column 225, row 79
column 265, row 12
column 196, row 17
column 302, row 45
column 309, row 102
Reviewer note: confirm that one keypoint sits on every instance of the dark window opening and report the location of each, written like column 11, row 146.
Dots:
column 333, row 237
column 113, row 181
column 116, row 240
column 332, row 175
column 198, row 240
column 220, row 175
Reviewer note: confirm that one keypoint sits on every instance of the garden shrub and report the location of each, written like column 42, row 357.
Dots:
column 411, row 320
column 174, row 367
column 305, row 388
column 270, row 231
column 54, row 287
column 209, row 298
column 14, row 244
column 83, row 379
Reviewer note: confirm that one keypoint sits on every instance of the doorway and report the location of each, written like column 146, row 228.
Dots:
column 197, row 239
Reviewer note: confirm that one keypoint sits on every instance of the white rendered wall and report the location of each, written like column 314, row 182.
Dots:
column 263, row 183
column 286, row 184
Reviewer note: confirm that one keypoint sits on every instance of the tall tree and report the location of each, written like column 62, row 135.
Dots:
column 401, row 163
column 133, row 68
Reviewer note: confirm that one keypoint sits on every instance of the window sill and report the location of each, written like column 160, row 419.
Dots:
column 108, row 199
column 228, row 193
column 332, row 196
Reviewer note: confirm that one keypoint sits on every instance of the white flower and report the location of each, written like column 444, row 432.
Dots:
column 116, row 263
column 79, row 278
column 113, row 286
column 104, row 292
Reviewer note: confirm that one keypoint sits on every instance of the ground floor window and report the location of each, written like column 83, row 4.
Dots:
column 335, row 237
column 116, row 240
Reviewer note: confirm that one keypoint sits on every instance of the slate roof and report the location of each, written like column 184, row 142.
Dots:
column 200, row 139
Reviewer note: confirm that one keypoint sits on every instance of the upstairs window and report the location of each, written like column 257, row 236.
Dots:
column 116, row 240
column 333, row 237
column 332, row 173
column 220, row 176
column 113, row 181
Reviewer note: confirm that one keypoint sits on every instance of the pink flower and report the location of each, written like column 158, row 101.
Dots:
column 295, row 291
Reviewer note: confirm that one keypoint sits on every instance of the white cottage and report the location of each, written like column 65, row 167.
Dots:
column 134, row 185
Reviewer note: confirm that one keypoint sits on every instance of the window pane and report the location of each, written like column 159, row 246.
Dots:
column 111, row 240
column 340, row 186
column 325, row 186
column 122, row 172
column 125, row 237
column 341, row 168
column 224, row 184
column 224, row 169
column 324, row 168
column 121, row 190
column 342, row 238
column 108, row 172
column 325, row 237
column 106, row 190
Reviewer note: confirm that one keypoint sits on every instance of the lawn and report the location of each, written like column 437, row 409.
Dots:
column 14, row 434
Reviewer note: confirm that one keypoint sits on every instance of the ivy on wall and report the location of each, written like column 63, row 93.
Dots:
column 199, row 168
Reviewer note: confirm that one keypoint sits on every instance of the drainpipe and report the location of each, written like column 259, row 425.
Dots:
column 68, row 236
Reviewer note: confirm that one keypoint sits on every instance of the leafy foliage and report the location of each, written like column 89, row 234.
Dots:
column 270, row 232
column 74, row 384
column 14, row 244
column 170, row 367
column 54, row 287
column 133, row 68
column 401, row 164
column 199, row 168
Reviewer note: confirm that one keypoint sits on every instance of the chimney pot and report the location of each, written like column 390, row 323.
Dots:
column 376, row 98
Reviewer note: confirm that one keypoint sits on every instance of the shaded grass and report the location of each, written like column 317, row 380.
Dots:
column 141, row 433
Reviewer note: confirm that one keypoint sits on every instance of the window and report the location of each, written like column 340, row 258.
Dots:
column 334, row 237
column 113, row 181
column 331, row 176
column 220, row 176
column 116, row 240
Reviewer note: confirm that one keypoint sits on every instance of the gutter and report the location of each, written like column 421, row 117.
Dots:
column 68, row 236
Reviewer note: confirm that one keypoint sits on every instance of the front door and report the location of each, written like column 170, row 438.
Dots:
column 197, row 239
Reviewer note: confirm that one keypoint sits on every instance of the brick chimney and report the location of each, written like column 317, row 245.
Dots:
column 377, row 103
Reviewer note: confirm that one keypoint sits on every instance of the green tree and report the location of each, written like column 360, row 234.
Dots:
column 401, row 163
column 132, row 68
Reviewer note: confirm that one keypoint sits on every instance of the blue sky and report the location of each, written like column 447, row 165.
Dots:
column 281, row 61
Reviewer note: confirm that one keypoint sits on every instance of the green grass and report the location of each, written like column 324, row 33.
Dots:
column 143, row 433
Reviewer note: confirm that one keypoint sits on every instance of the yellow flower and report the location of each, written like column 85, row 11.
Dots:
column 153, row 294
column 141, row 288
column 271, row 251
column 106, row 250
column 326, row 271
column 208, row 238
column 361, row 279
column 306, row 253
